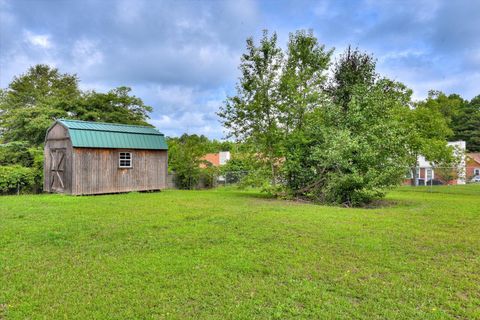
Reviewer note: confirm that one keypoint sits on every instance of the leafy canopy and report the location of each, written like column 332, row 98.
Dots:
column 35, row 99
column 342, row 138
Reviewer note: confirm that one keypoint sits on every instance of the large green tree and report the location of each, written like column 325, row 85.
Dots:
column 353, row 69
column 340, row 141
column 302, row 83
column 117, row 105
column 252, row 115
column 35, row 99
column 356, row 141
column 466, row 124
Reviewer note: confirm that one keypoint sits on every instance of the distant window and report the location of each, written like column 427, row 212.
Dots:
column 476, row 171
column 429, row 174
column 125, row 160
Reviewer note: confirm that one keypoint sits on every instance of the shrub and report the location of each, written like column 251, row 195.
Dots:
column 14, row 179
column 16, row 153
column 208, row 176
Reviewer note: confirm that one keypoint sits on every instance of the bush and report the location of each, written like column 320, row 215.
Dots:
column 16, row 153
column 19, row 154
column 208, row 176
column 14, row 179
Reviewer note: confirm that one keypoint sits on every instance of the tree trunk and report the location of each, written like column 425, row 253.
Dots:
column 414, row 182
column 274, row 173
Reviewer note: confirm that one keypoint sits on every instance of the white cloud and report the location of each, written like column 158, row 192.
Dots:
column 38, row 40
column 188, row 122
column 85, row 53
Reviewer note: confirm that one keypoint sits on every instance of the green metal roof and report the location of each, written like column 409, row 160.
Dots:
column 85, row 134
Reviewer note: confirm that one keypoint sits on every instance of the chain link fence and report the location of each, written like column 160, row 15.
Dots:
column 425, row 176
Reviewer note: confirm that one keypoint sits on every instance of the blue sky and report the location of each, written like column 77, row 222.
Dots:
column 181, row 57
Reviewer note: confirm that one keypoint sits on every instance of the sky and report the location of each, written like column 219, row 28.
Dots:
column 182, row 57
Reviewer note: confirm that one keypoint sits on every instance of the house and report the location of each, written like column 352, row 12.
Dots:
column 473, row 167
column 93, row 158
column 428, row 173
column 216, row 159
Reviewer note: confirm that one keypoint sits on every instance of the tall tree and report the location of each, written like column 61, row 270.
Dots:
column 449, row 106
column 117, row 105
column 466, row 124
column 358, row 144
column 252, row 115
column 353, row 69
column 303, row 79
column 33, row 100
column 302, row 91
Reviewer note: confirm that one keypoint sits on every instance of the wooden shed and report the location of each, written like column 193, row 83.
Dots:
column 92, row 158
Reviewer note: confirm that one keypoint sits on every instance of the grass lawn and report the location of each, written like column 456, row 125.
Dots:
column 229, row 254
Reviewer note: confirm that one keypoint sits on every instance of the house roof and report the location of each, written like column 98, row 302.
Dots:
column 86, row 134
column 475, row 156
column 213, row 158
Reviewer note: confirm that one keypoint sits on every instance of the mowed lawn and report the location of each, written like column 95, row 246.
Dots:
column 229, row 254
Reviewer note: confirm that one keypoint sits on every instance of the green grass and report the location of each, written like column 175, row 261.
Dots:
column 227, row 254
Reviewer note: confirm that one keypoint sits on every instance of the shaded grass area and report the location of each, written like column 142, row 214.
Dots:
column 229, row 254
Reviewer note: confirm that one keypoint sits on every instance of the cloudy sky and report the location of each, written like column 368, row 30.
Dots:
column 181, row 57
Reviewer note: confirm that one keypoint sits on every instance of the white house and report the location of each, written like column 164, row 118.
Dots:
column 426, row 169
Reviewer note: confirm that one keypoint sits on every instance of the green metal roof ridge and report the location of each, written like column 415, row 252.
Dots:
column 144, row 133
column 108, row 127
column 107, row 123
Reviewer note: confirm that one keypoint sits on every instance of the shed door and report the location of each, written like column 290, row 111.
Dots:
column 57, row 170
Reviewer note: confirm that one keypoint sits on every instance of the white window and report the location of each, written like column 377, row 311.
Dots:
column 429, row 174
column 476, row 172
column 125, row 160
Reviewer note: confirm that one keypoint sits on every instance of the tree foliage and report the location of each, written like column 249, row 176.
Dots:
column 117, row 106
column 466, row 124
column 302, row 84
column 13, row 179
column 253, row 115
column 342, row 139
column 184, row 159
column 35, row 99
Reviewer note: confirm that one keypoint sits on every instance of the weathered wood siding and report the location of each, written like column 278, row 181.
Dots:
column 97, row 171
column 58, row 139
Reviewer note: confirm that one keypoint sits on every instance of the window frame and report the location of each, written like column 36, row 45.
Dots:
column 429, row 175
column 125, row 159
column 476, row 171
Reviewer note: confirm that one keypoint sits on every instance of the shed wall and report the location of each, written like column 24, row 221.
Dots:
column 96, row 171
